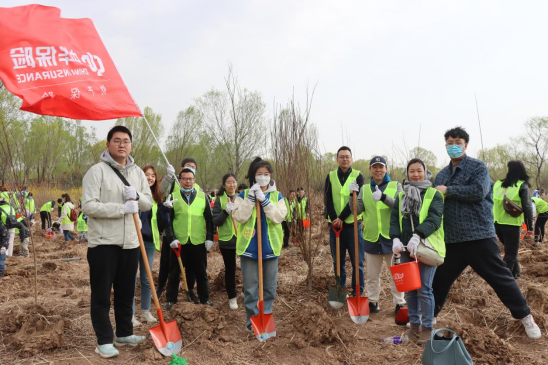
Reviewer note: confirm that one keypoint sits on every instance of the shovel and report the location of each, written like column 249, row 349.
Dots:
column 337, row 294
column 166, row 336
column 358, row 307
column 178, row 253
column 263, row 324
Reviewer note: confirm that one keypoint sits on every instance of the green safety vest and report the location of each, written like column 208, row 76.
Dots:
column 301, row 208
column 340, row 193
column 290, row 206
column 226, row 231
column 436, row 239
column 46, row 207
column 377, row 214
column 29, row 205
column 189, row 221
column 81, row 225
column 6, row 196
column 66, row 220
column 512, row 193
column 4, row 213
column 246, row 230
column 542, row 206
column 154, row 224
column 18, row 220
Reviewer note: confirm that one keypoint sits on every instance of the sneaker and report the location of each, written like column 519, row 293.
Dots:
column 147, row 317
column 531, row 328
column 249, row 327
column 129, row 340
column 193, row 297
column 374, row 307
column 398, row 307
column 233, row 304
column 169, row 305
column 106, row 351
column 75, row 241
column 208, row 303
column 135, row 322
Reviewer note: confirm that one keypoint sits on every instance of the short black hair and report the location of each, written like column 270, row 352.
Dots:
column 242, row 187
column 59, row 200
column 299, row 189
column 254, row 166
column 119, row 128
column 413, row 161
column 185, row 171
column 291, row 191
column 344, row 148
column 187, row 160
column 457, row 132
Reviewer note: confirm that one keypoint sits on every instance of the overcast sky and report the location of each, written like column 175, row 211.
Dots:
column 383, row 69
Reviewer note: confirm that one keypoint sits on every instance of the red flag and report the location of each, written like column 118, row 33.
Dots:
column 59, row 66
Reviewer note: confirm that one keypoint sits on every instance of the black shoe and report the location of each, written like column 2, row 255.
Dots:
column 193, row 297
column 398, row 307
column 169, row 305
column 208, row 303
column 249, row 327
column 374, row 307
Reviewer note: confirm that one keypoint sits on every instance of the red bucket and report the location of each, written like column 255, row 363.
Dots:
column 406, row 276
column 49, row 235
column 306, row 223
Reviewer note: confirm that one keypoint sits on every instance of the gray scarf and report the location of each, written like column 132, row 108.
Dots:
column 411, row 202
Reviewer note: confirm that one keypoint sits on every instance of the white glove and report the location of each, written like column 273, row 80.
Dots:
column 130, row 193
column 413, row 244
column 169, row 202
column 377, row 195
column 52, row 210
column 2, row 251
column 260, row 196
column 397, row 246
column 131, row 207
column 175, row 244
column 256, row 187
column 171, row 172
column 229, row 207
column 208, row 245
column 354, row 186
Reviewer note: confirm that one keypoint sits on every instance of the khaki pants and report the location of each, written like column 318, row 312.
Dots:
column 374, row 267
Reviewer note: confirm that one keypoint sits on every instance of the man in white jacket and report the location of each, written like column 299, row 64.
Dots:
column 113, row 246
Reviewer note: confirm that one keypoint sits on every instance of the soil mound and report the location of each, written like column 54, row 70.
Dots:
column 315, row 324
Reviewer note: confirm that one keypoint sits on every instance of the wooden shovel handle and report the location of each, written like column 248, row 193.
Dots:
column 355, row 212
column 260, row 250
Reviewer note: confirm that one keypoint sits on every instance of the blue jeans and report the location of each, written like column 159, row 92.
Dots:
column 68, row 235
column 250, row 279
column 421, row 301
column 2, row 262
column 347, row 243
column 146, row 292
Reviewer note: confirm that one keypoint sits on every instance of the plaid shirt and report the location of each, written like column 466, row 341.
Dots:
column 468, row 213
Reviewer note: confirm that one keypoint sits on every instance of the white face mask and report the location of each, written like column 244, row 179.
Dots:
column 262, row 180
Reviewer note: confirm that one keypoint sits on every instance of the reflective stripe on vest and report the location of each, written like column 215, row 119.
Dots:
column 189, row 221
column 154, row 225
column 499, row 213
column 81, row 225
column 436, row 239
column 340, row 193
column 377, row 214
column 226, row 231
column 246, row 230
column 542, row 206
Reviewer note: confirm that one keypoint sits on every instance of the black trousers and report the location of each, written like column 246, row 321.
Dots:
column 229, row 258
column 45, row 217
column 509, row 236
column 194, row 259
column 111, row 266
column 484, row 257
column 287, row 232
column 539, row 226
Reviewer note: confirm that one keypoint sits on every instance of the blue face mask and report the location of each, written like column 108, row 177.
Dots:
column 454, row 151
column 183, row 190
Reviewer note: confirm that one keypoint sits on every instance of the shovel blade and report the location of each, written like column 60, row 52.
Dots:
column 168, row 344
column 402, row 318
column 358, row 308
column 337, row 296
column 263, row 324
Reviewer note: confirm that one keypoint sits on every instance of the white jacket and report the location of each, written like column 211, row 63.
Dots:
column 66, row 226
column 103, row 202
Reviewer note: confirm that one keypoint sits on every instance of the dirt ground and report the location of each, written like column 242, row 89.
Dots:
column 58, row 329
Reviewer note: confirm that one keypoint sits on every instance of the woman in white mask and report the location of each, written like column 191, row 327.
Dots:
column 273, row 212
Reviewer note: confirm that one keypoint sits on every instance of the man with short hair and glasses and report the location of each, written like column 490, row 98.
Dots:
column 337, row 196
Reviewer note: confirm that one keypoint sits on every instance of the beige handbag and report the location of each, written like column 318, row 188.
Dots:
column 426, row 253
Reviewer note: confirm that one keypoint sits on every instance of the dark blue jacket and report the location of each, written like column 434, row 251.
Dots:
column 468, row 212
